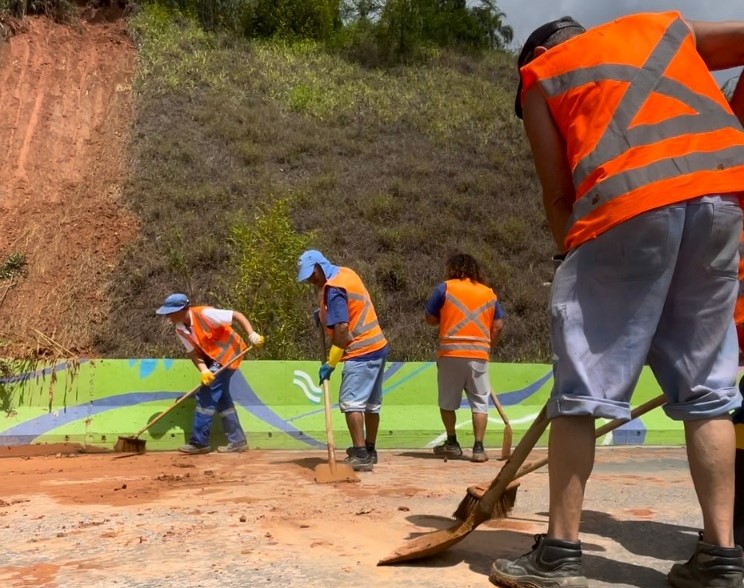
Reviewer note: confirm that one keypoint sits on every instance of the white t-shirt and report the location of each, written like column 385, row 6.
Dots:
column 215, row 317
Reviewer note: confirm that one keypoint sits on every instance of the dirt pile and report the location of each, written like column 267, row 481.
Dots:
column 66, row 96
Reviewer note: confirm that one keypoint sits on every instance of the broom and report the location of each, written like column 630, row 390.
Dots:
column 133, row 444
column 505, row 504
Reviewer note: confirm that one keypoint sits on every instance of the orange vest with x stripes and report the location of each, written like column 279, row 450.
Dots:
column 364, row 328
column 220, row 343
column 644, row 122
column 465, row 320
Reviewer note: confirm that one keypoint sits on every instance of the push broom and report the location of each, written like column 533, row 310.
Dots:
column 477, row 508
column 134, row 444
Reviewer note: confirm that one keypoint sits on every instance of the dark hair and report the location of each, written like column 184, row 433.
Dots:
column 462, row 266
column 548, row 35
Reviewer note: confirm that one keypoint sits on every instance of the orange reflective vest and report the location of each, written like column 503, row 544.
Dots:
column 465, row 320
column 364, row 328
column 220, row 344
column 644, row 122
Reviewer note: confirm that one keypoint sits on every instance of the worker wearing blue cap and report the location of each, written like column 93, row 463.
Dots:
column 207, row 334
column 347, row 313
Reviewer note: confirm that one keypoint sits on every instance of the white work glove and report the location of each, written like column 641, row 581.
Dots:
column 256, row 339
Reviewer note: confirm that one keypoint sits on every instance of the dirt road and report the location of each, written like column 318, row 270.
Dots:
column 259, row 519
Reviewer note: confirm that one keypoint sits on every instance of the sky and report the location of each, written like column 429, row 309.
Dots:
column 526, row 15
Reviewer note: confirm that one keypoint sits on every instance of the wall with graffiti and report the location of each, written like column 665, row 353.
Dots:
column 279, row 403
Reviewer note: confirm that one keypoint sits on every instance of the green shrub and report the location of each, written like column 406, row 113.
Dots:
column 288, row 19
column 264, row 287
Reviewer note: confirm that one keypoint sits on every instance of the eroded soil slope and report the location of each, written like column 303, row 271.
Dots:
column 65, row 102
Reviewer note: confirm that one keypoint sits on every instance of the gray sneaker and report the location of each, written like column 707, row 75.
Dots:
column 233, row 448
column 479, row 455
column 552, row 563
column 194, row 449
column 448, row 449
column 350, row 451
column 360, row 464
column 710, row 566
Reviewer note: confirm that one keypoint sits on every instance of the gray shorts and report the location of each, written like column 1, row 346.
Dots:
column 659, row 288
column 455, row 374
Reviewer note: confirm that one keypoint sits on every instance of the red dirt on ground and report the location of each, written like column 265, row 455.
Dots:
column 66, row 96
column 259, row 519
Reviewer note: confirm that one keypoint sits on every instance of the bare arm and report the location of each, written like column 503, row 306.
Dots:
column 737, row 100
column 720, row 44
column 431, row 319
column 240, row 319
column 198, row 360
column 496, row 328
column 341, row 336
column 551, row 164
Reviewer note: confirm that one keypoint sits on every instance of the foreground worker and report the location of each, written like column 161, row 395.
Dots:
column 207, row 334
column 470, row 319
column 347, row 312
column 640, row 159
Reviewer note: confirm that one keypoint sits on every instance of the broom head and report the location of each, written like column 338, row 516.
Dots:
column 501, row 508
column 130, row 445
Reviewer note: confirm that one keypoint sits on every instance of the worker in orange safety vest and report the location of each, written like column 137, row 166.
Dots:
column 470, row 319
column 641, row 163
column 207, row 334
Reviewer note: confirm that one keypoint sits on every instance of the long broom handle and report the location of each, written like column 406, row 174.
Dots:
column 509, row 471
column 508, row 432
column 191, row 393
column 603, row 430
column 327, row 404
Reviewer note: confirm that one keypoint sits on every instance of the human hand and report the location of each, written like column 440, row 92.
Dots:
column 257, row 340
column 557, row 260
column 207, row 378
column 325, row 372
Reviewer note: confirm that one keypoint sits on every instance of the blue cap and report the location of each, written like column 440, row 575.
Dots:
column 173, row 303
column 306, row 264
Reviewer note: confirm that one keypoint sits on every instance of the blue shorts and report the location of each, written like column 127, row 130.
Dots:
column 361, row 385
column 660, row 289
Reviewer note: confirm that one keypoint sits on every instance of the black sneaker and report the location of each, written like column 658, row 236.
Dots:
column 360, row 464
column 710, row 566
column 448, row 449
column 350, row 451
column 552, row 563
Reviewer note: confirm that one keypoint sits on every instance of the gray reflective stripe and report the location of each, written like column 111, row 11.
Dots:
column 363, row 327
column 741, row 250
column 224, row 346
column 206, row 411
column 354, row 345
column 227, row 412
column 462, row 347
column 471, row 316
column 618, row 138
column 466, row 339
column 623, row 182
column 741, row 287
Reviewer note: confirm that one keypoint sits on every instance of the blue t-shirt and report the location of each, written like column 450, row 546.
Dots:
column 436, row 302
column 337, row 311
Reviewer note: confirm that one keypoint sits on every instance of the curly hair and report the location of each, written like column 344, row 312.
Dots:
column 462, row 266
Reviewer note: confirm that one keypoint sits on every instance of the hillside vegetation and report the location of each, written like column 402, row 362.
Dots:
column 244, row 151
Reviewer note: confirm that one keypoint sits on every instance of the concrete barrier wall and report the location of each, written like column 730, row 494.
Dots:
column 279, row 404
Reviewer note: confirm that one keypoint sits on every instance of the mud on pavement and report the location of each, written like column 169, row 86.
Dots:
column 259, row 519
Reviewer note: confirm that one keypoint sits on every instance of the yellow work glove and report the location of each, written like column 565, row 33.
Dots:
column 257, row 340
column 334, row 356
column 207, row 378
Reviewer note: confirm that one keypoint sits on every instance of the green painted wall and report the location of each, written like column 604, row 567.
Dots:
column 279, row 405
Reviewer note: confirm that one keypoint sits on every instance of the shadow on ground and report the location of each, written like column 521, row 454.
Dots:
column 640, row 537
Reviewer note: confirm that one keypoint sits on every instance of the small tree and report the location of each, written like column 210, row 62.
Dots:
column 265, row 251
